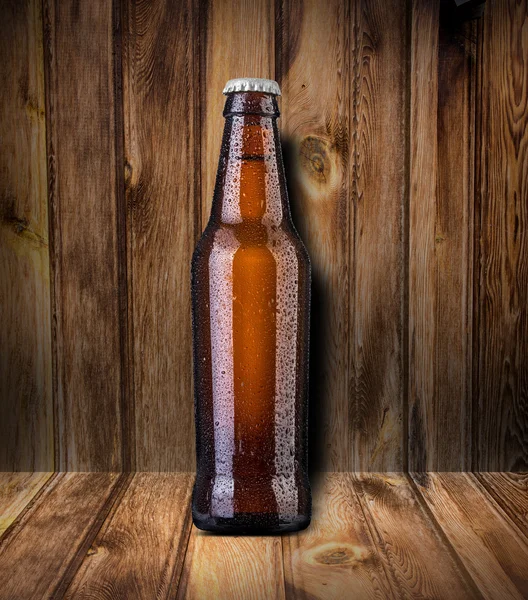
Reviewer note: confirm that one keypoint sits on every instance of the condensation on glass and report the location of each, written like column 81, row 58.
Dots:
column 250, row 302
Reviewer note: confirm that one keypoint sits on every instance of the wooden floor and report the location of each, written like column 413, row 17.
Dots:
column 109, row 536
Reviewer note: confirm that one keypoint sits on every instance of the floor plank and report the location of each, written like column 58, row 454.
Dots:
column 510, row 491
column 218, row 566
column 489, row 547
column 336, row 557
column 412, row 550
column 40, row 550
column 139, row 551
column 17, row 490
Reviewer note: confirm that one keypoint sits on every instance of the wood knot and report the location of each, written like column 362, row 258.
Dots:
column 336, row 554
column 318, row 165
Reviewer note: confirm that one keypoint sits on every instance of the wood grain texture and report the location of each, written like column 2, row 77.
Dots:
column 242, row 567
column 378, row 110
column 237, row 41
column 336, row 557
column 139, row 551
column 501, row 438
column 510, row 491
column 84, row 180
column 440, row 272
column 160, row 96
column 413, row 552
column 41, row 550
column 17, row 490
column 313, row 43
column 26, row 408
column 490, row 548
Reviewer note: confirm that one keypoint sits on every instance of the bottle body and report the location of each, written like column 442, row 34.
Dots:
column 250, row 302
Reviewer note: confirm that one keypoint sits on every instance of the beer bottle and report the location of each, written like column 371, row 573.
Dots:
column 250, row 304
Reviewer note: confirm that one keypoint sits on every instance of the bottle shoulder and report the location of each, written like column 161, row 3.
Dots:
column 258, row 239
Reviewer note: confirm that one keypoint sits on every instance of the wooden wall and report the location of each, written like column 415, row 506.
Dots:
column 405, row 142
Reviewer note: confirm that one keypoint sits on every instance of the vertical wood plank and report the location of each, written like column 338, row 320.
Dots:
column 378, row 106
column 501, row 436
column 160, row 100
column 39, row 554
column 218, row 566
column 314, row 73
column 336, row 557
column 441, row 238
column 17, row 490
column 26, row 408
column 140, row 549
column 238, row 41
column 84, row 182
column 491, row 549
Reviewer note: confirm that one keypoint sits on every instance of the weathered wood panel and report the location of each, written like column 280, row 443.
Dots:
column 377, row 187
column 160, row 98
column 140, row 549
column 314, row 74
column 501, row 437
column 41, row 553
column 17, row 490
column 219, row 566
column 26, row 409
column 85, row 179
column 336, row 557
column 413, row 553
column 440, row 238
column 489, row 547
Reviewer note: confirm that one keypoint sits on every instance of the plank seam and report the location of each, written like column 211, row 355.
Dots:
column 54, row 230
column 477, row 257
column 11, row 531
column 406, row 230
column 127, row 399
column 117, row 492
column 371, row 528
column 443, row 536
column 184, row 547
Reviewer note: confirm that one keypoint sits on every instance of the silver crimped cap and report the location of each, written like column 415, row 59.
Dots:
column 251, row 84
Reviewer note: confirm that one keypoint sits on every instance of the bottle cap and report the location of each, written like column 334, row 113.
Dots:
column 251, row 84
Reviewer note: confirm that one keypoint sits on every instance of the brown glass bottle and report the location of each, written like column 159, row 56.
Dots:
column 250, row 302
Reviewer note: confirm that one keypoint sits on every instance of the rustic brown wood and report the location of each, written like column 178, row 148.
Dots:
column 314, row 73
column 237, row 41
column 140, row 549
column 441, row 200
column 26, row 409
column 410, row 547
column 336, row 557
column 510, row 491
column 219, row 566
column 501, row 438
column 17, row 490
column 378, row 111
column 84, row 177
column 490, row 548
column 161, row 87
column 42, row 548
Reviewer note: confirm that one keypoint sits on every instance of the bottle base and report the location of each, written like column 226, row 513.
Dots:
column 250, row 523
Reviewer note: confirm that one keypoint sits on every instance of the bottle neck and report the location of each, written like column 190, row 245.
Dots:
column 250, row 185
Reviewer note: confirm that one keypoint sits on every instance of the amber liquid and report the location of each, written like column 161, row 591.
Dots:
column 250, row 299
